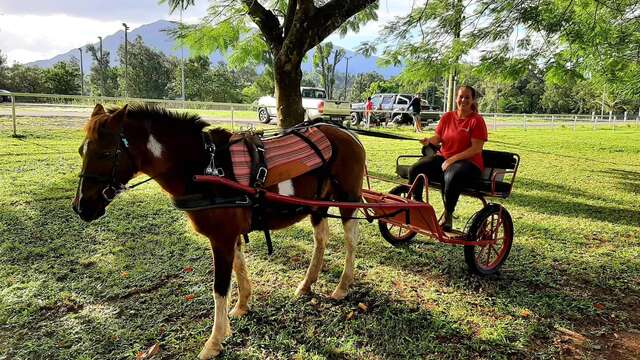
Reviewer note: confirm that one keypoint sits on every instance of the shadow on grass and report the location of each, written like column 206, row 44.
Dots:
column 577, row 207
column 629, row 179
column 558, row 155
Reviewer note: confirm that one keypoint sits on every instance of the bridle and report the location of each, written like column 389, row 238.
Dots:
column 114, row 187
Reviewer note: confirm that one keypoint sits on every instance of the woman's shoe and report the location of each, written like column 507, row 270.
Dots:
column 447, row 222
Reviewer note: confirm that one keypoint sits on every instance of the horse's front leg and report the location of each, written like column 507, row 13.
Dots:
column 350, row 242
column 244, row 284
column 223, row 254
column 320, row 237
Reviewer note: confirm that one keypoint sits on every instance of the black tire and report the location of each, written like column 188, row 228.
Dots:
column 355, row 119
column 263, row 116
column 492, row 222
column 396, row 235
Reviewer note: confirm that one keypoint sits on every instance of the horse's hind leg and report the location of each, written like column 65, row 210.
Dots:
column 350, row 241
column 244, row 284
column 320, row 237
column 223, row 253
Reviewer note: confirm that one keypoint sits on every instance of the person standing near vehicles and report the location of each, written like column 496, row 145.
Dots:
column 415, row 106
column 458, row 164
column 368, row 110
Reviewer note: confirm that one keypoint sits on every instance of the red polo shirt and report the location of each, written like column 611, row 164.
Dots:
column 456, row 134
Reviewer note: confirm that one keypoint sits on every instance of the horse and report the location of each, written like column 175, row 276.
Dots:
column 122, row 143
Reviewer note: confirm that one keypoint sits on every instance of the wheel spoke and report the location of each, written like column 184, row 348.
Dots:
column 480, row 254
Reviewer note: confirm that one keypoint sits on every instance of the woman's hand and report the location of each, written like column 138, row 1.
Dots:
column 425, row 141
column 448, row 162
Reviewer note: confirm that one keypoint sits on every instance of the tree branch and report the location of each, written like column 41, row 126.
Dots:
column 330, row 16
column 267, row 22
column 288, row 20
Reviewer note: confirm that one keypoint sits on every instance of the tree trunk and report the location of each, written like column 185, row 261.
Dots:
column 288, row 76
column 451, row 90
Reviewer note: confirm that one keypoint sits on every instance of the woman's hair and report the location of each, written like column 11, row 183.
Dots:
column 369, row 98
column 474, row 105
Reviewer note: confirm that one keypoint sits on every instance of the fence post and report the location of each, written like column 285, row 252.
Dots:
column 594, row 119
column 13, row 115
column 495, row 116
column 625, row 117
column 232, row 119
column 575, row 120
column 553, row 120
column 525, row 123
column 613, row 124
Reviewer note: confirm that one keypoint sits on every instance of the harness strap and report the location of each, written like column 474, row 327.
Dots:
column 318, row 152
column 259, row 170
column 201, row 202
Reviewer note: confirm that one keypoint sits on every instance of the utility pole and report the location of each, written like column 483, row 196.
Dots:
column 101, row 67
column 182, row 60
column 346, row 77
column 126, row 60
column 81, row 74
column 100, row 38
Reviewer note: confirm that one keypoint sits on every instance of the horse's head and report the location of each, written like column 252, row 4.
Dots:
column 107, row 163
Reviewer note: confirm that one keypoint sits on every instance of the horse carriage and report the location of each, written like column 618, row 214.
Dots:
column 230, row 184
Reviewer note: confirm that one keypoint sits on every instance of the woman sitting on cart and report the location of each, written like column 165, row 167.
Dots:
column 458, row 163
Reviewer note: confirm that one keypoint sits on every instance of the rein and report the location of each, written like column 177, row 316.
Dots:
column 379, row 134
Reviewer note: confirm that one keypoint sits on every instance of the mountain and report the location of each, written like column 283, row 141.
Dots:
column 155, row 36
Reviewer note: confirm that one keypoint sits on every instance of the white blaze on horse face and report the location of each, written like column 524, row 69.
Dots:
column 154, row 146
column 84, row 151
column 286, row 188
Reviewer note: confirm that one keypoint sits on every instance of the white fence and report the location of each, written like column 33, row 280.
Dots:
column 75, row 108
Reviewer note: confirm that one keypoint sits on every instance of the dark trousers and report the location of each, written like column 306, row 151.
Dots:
column 458, row 176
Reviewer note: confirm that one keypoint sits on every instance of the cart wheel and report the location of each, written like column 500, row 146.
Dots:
column 492, row 222
column 394, row 234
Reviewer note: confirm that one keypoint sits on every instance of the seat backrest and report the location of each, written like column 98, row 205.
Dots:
column 498, row 160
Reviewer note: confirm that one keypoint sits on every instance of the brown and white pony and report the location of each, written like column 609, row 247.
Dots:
column 168, row 147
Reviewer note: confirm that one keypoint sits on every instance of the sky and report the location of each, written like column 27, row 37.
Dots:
column 33, row 30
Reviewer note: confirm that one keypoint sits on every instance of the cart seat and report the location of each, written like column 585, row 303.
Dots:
column 497, row 164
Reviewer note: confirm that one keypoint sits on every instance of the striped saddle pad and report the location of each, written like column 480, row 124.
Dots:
column 286, row 157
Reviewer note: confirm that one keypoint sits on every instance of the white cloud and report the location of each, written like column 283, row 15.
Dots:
column 26, row 38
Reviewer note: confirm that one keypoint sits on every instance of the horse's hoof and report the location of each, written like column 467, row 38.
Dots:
column 339, row 294
column 238, row 311
column 302, row 290
column 209, row 352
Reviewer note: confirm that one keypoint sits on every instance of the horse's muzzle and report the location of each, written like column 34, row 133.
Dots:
column 87, row 213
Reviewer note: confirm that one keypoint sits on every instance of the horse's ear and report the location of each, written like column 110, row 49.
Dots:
column 118, row 117
column 98, row 110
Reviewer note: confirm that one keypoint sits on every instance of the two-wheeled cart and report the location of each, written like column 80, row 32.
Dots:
column 487, row 240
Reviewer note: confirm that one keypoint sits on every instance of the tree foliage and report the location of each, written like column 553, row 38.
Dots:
column 103, row 79
column 63, row 78
column 325, row 65
column 148, row 71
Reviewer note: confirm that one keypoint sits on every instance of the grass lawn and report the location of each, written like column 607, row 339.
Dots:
column 140, row 276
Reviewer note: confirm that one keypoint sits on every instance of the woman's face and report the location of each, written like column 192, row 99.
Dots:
column 464, row 99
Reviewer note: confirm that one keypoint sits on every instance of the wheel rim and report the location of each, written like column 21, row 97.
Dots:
column 493, row 229
column 263, row 115
column 354, row 119
column 398, row 232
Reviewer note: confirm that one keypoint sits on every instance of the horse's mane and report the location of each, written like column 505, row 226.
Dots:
column 144, row 112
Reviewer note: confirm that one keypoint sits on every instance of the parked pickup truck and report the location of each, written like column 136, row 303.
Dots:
column 315, row 103
column 392, row 108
